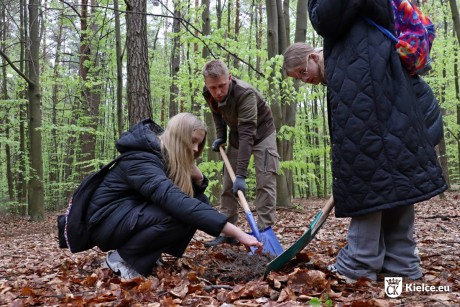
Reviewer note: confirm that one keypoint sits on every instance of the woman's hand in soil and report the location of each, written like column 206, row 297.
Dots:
column 248, row 240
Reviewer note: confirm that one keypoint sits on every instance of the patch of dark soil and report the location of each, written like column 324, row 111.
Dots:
column 231, row 266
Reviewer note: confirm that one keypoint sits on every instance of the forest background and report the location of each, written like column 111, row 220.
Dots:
column 75, row 74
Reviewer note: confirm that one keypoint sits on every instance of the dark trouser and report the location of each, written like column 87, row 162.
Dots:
column 381, row 241
column 143, row 234
column 155, row 232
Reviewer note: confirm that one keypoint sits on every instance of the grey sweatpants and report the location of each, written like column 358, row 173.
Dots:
column 381, row 241
column 266, row 162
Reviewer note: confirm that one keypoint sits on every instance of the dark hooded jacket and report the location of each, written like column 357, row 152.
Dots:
column 382, row 155
column 140, row 180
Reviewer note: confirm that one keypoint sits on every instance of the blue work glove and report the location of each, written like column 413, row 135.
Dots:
column 239, row 185
column 216, row 144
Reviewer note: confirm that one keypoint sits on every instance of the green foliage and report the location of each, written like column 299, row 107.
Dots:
column 12, row 207
column 213, row 171
column 66, row 119
column 286, row 133
column 317, row 302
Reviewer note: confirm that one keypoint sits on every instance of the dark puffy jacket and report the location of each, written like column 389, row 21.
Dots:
column 430, row 109
column 382, row 155
column 140, row 180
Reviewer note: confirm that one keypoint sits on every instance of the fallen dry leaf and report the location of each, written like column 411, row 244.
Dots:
column 34, row 271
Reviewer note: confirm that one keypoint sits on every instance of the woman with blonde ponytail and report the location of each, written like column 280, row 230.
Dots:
column 152, row 201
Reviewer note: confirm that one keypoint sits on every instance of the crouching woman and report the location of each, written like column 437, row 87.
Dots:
column 152, row 202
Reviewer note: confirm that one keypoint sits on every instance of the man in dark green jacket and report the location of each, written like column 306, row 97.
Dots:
column 240, row 107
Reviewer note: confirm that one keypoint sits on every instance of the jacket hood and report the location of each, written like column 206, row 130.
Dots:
column 143, row 136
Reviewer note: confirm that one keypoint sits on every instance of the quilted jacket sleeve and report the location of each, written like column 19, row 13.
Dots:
column 148, row 176
column 333, row 18
column 430, row 109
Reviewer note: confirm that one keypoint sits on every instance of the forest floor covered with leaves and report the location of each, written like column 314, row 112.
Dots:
column 35, row 272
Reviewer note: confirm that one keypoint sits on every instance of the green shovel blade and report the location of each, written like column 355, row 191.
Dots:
column 289, row 253
column 303, row 241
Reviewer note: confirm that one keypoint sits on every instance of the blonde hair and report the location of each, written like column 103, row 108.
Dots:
column 215, row 69
column 177, row 148
column 296, row 55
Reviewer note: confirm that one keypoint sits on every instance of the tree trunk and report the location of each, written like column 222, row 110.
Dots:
column 83, row 70
column 276, row 43
column 4, row 95
column 456, row 19
column 326, row 145
column 175, row 62
column 138, row 84
column 442, row 145
column 36, row 204
column 118, row 52
column 287, row 25
column 218, row 13
column 300, row 34
column 23, row 162
column 89, row 62
column 191, row 52
column 260, row 32
column 212, row 156
column 457, row 96
column 290, row 105
column 228, row 32
column 236, row 62
column 282, row 34
column 55, row 195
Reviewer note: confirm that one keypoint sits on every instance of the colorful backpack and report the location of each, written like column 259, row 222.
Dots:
column 414, row 36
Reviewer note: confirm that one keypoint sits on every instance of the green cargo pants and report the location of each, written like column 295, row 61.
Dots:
column 266, row 162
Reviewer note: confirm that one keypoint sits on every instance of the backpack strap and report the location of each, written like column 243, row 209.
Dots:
column 117, row 159
column 382, row 29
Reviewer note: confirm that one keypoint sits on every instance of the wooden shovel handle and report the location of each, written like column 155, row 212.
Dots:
column 241, row 197
column 325, row 213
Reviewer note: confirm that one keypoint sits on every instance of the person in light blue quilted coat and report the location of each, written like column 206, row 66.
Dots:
column 383, row 157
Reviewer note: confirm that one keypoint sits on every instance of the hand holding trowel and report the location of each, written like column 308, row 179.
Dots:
column 267, row 237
